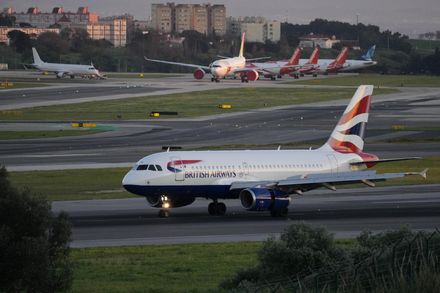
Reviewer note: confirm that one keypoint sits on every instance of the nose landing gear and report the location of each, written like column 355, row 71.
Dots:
column 216, row 208
column 164, row 212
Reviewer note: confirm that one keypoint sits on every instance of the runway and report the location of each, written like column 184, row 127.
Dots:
column 344, row 212
column 304, row 125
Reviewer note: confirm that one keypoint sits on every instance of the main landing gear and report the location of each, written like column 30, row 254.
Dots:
column 214, row 79
column 244, row 79
column 216, row 208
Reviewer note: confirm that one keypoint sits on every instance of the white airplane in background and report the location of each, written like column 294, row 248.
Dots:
column 367, row 61
column 348, row 65
column 62, row 70
column 263, row 180
column 235, row 66
column 276, row 69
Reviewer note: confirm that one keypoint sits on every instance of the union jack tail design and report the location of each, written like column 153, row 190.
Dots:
column 348, row 135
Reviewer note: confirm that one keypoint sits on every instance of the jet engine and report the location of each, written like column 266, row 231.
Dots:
column 60, row 74
column 252, row 75
column 157, row 201
column 262, row 199
column 199, row 73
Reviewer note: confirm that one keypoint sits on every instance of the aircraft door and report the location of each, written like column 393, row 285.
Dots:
column 333, row 163
column 178, row 168
column 245, row 167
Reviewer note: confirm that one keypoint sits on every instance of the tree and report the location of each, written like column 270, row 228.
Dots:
column 34, row 246
column 6, row 20
column 20, row 40
column 51, row 46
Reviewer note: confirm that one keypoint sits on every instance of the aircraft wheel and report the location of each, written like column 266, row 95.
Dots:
column 302, row 74
column 211, row 208
column 217, row 80
column 273, row 78
column 164, row 214
column 315, row 75
column 216, row 208
column 221, row 209
column 212, row 79
column 72, row 76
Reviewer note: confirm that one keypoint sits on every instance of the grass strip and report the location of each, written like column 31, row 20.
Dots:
column 19, row 85
column 64, row 184
column 186, row 104
column 6, row 135
column 106, row 183
column 138, row 75
column 377, row 80
column 160, row 268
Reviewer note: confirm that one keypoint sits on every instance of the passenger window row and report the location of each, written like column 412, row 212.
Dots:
column 150, row 167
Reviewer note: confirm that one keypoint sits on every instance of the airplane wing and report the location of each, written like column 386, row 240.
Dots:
column 179, row 64
column 259, row 58
column 327, row 180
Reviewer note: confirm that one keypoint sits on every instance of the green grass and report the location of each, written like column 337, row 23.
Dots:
column 5, row 135
column 433, row 177
column 19, row 85
column 137, row 75
column 160, row 268
column 186, row 104
column 106, row 183
column 377, row 80
column 64, row 184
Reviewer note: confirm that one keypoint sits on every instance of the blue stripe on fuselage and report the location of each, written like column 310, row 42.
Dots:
column 211, row 191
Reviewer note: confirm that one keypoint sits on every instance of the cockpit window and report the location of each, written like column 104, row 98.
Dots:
column 91, row 68
column 216, row 65
column 142, row 167
column 151, row 168
column 159, row 168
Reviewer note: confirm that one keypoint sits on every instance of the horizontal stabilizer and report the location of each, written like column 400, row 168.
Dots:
column 384, row 161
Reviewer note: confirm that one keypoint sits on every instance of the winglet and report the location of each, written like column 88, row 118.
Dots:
column 423, row 173
column 242, row 45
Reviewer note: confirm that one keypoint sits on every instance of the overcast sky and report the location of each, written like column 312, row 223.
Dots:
column 407, row 16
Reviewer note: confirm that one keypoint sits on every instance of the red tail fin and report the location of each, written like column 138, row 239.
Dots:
column 294, row 60
column 314, row 57
column 342, row 56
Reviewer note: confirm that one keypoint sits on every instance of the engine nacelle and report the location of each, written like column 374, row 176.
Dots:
column 60, row 74
column 199, row 73
column 252, row 75
column 261, row 199
column 156, row 201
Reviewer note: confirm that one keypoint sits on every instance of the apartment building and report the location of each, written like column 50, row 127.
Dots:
column 204, row 18
column 114, row 30
column 257, row 29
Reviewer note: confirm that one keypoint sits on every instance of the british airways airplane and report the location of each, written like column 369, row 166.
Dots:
column 263, row 180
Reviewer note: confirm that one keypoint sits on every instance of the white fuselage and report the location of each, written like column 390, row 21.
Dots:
column 68, row 69
column 222, row 168
column 228, row 66
column 349, row 65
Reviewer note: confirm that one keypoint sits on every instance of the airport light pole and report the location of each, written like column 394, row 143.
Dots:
column 357, row 28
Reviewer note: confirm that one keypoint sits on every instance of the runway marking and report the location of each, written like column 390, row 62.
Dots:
column 62, row 155
column 408, row 201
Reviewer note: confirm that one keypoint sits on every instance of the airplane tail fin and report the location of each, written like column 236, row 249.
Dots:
column 314, row 57
column 294, row 60
column 369, row 54
column 348, row 135
column 37, row 59
column 242, row 46
column 340, row 60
